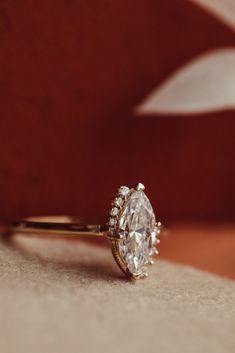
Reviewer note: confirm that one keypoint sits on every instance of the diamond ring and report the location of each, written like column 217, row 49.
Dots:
column 132, row 230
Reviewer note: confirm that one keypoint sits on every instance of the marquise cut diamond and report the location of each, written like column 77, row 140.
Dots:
column 137, row 228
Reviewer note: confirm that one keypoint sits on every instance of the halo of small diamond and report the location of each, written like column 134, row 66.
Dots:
column 117, row 204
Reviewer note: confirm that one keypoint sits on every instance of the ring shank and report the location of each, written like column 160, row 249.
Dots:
column 57, row 226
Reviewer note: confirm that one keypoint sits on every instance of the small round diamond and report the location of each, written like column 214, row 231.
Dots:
column 158, row 230
column 112, row 222
column 153, row 251
column 118, row 201
column 114, row 211
column 123, row 190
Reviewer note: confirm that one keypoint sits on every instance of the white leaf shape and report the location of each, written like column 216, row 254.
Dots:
column 205, row 84
column 223, row 9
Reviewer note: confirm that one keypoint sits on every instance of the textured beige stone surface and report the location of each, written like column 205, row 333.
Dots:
column 60, row 296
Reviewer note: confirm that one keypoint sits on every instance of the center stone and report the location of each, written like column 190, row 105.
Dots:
column 137, row 226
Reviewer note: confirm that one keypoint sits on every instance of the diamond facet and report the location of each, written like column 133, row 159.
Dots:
column 137, row 226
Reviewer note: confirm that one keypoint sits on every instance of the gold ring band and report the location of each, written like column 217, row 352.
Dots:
column 48, row 226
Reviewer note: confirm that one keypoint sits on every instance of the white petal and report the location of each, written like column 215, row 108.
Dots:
column 223, row 9
column 206, row 84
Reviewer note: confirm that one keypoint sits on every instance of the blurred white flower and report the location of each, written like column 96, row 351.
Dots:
column 205, row 84
column 223, row 9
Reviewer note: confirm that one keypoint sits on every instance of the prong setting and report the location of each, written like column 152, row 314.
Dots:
column 139, row 187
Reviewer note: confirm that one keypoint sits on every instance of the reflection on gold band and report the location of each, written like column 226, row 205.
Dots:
column 59, row 226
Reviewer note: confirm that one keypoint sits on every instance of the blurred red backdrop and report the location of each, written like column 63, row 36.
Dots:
column 71, row 74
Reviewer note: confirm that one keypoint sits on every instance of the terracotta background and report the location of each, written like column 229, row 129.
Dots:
column 71, row 73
